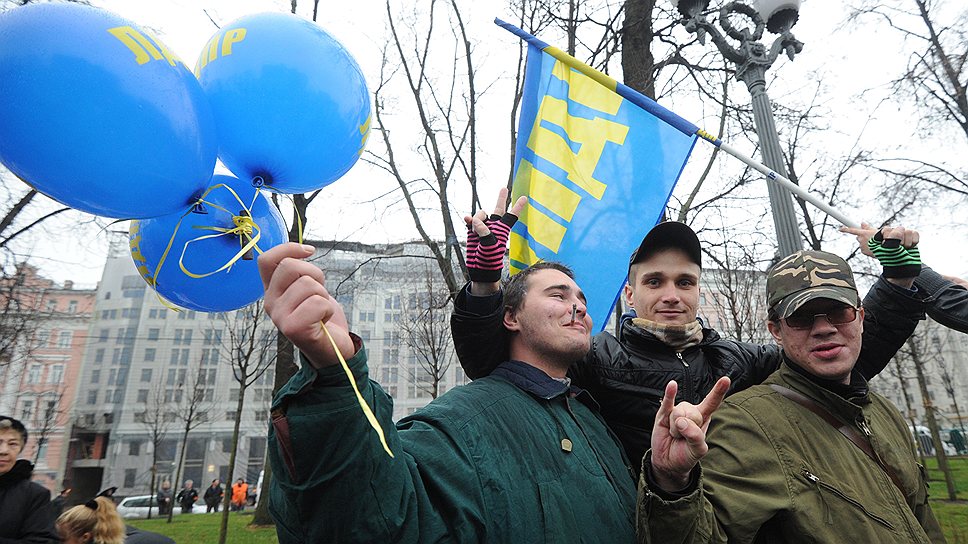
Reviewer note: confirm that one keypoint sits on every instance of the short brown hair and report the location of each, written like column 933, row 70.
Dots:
column 516, row 287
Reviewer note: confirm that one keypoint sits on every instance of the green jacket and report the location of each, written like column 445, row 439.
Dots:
column 777, row 472
column 485, row 462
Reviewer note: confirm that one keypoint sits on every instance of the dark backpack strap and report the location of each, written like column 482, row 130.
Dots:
column 847, row 430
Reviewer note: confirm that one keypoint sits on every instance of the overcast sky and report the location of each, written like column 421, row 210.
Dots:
column 851, row 61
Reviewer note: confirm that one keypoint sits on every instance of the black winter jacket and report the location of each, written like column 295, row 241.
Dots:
column 948, row 303
column 25, row 516
column 628, row 375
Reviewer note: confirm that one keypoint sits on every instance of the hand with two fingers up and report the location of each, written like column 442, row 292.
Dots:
column 487, row 239
column 679, row 435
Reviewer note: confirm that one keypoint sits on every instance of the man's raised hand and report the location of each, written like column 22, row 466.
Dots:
column 298, row 303
column 487, row 238
column 679, row 435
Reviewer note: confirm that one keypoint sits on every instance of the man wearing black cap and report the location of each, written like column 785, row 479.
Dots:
column 664, row 341
column 811, row 455
column 25, row 514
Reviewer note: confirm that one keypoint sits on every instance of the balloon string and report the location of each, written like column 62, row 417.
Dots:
column 244, row 228
column 299, row 223
column 359, row 397
column 346, row 369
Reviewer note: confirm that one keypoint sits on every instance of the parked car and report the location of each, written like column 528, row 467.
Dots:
column 136, row 507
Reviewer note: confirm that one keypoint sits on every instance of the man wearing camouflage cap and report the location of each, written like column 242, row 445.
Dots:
column 811, row 455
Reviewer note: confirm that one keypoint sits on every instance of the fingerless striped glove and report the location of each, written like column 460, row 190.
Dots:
column 897, row 260
column 485, row 256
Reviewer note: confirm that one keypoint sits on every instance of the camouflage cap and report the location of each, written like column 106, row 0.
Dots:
column 805, row 276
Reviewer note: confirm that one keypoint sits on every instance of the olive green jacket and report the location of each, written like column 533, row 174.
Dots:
column 777, row 472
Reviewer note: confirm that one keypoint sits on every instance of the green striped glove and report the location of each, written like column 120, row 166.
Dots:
column 898, row 261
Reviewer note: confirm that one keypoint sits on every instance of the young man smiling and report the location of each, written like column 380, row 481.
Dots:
column 664, row 341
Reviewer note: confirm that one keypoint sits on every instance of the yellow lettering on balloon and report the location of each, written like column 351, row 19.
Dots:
column 141, row 46
column 232, row 37
column 209, row 53
column 141, row 263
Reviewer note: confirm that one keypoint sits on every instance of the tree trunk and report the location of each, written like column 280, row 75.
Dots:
column 932, row 422
column 638, row 62
column 261, row 516
column 224, row 526
column 178, row 471
column 154, row 476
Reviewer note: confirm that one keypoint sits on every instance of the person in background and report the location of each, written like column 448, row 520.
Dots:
column 165, row 498
column 240, row 492
column 95, row 522
column 213, row 496
column 187, row 496
column 25, row 515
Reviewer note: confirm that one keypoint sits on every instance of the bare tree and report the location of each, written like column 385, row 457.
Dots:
column 250, row 349
column 737, row 294
column 49, row 414
column 425, row 330
column 917, row 352
column 156, row 426
column 197, row 399
column 445, row 105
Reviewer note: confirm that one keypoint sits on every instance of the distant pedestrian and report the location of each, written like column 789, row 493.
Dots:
column 24, row 505
column 213, row 496
column 240, row 493
column 96, row 521
column 165, row 498
column 187, row 497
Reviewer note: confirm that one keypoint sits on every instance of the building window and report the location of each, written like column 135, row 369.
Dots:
column 149, row 354
column 33, row 375
column 134, row 448
column 56, row 374
column 64, row 339
column 51, row 304
column 92, row 397
column 129, row 475
column 261, row 415
column 72, row 307
column 99, row 355
column 146, row 374
column 230, row 415
column 102, row 335
column 142, row 395
column 27, row 411
column 43, row 338
column 153, row 334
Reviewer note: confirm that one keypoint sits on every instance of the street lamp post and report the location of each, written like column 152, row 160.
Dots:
column 752, row 59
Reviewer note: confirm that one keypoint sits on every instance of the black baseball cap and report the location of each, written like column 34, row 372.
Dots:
column 668, row 235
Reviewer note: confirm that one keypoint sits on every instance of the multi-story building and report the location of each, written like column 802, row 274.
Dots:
column 45, row 330
column 145, row 357
column 142, row 353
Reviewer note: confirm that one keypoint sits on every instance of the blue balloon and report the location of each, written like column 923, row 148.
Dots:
column 200, row 245
column 99, row 115
column 290, row 103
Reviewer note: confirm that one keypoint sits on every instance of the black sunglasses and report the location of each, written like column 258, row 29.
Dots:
column 838, row 316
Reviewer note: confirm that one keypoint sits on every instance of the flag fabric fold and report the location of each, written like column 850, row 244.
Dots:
column 598, row 162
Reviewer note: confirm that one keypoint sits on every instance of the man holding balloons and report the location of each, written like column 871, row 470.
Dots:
column 518, row 456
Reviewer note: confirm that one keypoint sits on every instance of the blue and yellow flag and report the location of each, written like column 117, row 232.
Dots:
column 597, row 161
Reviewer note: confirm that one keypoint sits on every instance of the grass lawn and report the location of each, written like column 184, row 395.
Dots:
column 953, row 516
column 203, row 529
